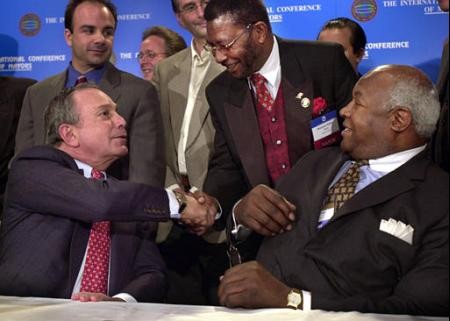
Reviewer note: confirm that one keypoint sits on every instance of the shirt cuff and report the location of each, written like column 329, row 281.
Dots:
column 173, row 186
column 306, row 300
column 126, row 297
column 174, row 206
column 239, row 231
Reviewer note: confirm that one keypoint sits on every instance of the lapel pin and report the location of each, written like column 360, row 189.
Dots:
column 299, row 95
column 305, row 102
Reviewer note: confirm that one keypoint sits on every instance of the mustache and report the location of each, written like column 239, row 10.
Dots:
column 98, row 47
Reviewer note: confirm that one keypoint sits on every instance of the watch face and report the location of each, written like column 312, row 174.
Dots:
column 294, row 299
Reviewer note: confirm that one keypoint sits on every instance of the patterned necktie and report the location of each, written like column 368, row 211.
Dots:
column 81, row 80
column 96, row 267
column 262, row 93
column 342, row 191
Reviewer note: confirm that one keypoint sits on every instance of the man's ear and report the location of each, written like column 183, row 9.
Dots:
column 401, row 119
column 68, row 135
column 360, row 54
column 68, row 37
column 261, row 30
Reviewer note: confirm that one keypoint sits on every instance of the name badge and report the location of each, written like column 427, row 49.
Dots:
column 325, row 130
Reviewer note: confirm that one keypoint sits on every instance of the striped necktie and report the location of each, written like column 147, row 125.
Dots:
column 342, row 191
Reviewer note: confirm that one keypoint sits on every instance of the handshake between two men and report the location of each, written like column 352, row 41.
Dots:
column 198, row 210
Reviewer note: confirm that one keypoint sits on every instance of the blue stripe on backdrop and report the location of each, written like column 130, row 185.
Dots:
column 398, row 31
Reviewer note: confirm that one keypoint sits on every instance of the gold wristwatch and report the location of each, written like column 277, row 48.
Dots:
column 182, row 202
column 295, row 299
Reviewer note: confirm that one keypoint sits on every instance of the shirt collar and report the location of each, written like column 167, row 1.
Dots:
column 391, row 162
column 87, row 169
column 203, row 57
column 94, row 75
column 271, row 70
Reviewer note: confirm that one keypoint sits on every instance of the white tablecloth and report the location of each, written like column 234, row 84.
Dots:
column 43, row 309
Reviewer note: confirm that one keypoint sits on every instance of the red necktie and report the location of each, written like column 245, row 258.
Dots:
column 96, row 267
column 81, row 80
column 262, row 93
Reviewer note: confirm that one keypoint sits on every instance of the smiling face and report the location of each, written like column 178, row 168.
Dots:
column 153, row 50
column 100, row 136
column 92, row 37
column 192, row 20
column 242, row 58
column 367, row 130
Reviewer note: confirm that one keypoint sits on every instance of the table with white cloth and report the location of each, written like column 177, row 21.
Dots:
column 45, row 309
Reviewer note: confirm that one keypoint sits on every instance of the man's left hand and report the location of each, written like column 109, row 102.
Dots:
column 250, row 285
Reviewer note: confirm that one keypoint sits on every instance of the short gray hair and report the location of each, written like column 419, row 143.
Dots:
column 61, row 111
column 421, row 98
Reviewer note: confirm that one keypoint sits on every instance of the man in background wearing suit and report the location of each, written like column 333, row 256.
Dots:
column 69, row 235
column 382, row 250
column 194, row 263
column 441, row 144
column 89, row 30
column 12, row 90
column 277, row 100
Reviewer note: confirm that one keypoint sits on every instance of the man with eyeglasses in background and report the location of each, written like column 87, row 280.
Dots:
column 90, row 26
column 194, row 263
column 158, row 43
column 276, row 101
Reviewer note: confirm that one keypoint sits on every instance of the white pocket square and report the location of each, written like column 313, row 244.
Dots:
column 398, row 229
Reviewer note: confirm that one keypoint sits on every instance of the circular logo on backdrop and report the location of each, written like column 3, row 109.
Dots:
column 364, row 10
column 30, row 24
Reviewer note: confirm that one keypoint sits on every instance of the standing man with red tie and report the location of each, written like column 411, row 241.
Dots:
column 76, row 232
column 90, row 26
column 277, row 100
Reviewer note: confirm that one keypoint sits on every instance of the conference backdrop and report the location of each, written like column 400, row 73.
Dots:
column 398, row 31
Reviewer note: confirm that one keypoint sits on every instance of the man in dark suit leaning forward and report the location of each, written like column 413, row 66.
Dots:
column 276, row 101
column 383, row 250
column 62, row 230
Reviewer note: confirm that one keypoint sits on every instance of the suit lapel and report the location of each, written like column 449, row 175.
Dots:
column 318, row 192
column 297, row 117
column 110, row 82
column 243, row 123
column 78, row 247
column 179, row 84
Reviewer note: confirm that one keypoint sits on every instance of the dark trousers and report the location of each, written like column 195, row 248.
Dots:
column 194, row 267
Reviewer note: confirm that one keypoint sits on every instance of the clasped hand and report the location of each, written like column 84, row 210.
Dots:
column 200, row 212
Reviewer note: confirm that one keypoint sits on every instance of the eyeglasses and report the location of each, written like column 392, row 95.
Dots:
column 224, row 48
column 149, row 54
column 192, row 7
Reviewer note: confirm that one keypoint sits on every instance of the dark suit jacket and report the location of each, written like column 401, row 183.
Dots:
column 441, row 138
column 49, row 209
column 12, row 91
column 238, row 162
column 350, row 264
column 137, row 102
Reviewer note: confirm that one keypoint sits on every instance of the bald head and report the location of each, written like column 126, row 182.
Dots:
column 412, row 89
column 394, row 108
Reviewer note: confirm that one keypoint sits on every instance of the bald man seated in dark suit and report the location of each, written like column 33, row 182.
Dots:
column 371, row 227
column 68, row 230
